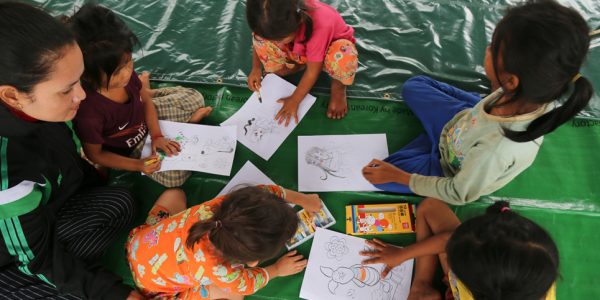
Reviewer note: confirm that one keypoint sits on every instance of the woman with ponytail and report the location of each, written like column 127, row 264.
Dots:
column 472, row 146
column 292, row 35
column 200, row 253
column 497, row 256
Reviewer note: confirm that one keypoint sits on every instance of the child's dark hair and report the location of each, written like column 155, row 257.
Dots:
column 32, row 41
column 544, row 44
column 251, row 224
column 502, row 255
column 277, row 19
column 104, row 39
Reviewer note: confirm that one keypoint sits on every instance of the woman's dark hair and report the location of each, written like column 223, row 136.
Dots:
column 503, row 256
column 32, row 41
column 104, row 40
column 277, row 19
column 544, row 44
column 251, row 224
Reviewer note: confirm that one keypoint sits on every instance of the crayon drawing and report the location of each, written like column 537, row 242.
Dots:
column 344, row 277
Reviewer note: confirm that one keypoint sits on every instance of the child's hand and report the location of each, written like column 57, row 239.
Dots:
column 150, row 164
column 383, row 253
column 288, row 111
column 311, row 203
column 290, row 264
column 378, row 172
column 169, row 147
column 254, row 79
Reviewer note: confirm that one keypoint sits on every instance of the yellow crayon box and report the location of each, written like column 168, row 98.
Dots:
column 380, row 218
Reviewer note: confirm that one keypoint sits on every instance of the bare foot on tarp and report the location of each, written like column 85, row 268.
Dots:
column 423, row 291
column 338, row 104
column 200, row 114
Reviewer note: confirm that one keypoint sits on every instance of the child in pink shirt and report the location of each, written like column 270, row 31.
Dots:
column 293, row 35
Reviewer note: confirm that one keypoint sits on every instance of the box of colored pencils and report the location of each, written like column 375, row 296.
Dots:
column 380, row 218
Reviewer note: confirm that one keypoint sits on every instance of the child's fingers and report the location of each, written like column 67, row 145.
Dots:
column 296, row 118
column 280, row 112
column 385, row 271
column 369, row 253
column 297, row 258
column 379, row 242
column 374, row 260
column 288, row 118
column 176, row 145
column 377, row 245
column 291, row 253
column 301, row 263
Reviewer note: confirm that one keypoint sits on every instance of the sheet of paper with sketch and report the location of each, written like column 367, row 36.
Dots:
column 208, row 149
column 257, row 128
column 334, row 271
column 248, row 175
column 332, row 163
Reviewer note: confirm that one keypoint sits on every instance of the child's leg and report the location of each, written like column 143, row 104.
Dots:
column 179, row 104
column 170, row 202
column 173, row 200
column 217, row 293
column 433, row 217
column 341, row 63
column 435, row 103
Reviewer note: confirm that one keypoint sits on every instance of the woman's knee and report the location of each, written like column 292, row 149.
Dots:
column 125, row 204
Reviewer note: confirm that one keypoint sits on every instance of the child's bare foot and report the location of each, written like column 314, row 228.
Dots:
column 338, row 104
column 200, row 114
column 423, row 291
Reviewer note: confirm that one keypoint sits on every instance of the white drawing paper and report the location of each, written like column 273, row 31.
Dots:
column 257, row 128
column 208, row 149
column 248, row 175
column 334, row 271
column 330, row 163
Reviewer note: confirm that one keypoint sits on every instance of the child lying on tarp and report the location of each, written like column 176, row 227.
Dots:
column 200, row 253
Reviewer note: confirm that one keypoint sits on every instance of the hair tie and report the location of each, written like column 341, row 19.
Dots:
column 576, row 77
column 505, row 209
column 218, row 224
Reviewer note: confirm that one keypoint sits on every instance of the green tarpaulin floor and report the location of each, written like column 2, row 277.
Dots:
column 559, row 191
column 206, row 44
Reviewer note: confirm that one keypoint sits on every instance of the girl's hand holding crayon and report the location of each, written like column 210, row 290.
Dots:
column 288, row 111
column 378, row 172
column 289, row 264
column 383, row 253
column 255, row 79
column 169, row 147
column 150, row 164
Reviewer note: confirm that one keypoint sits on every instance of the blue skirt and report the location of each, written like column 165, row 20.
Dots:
column 435, row 104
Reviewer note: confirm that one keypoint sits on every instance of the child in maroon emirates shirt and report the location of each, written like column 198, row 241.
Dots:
column 119, row 111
